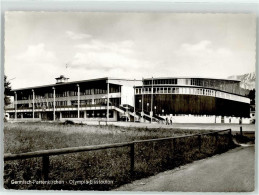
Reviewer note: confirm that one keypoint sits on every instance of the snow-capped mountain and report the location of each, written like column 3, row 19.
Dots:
column 247, row 80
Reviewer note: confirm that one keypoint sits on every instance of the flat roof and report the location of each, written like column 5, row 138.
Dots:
column 76, row 82
column 109, row 78
column 60, row 84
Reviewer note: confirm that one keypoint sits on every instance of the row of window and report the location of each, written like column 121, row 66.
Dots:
column 196, row 82
column 229, row 86
column 71, row 93
column 82, row 102
column 161, row 82
column 63, row 103
column 192, row 91
column 175, row 90
column 100, row 101
column 172, row 82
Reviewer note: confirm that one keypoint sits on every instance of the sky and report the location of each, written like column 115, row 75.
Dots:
column 40, row 46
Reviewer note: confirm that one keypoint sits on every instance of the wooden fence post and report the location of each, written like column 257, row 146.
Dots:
column 230, row 137
column 45, row 167
column 199, row 141
column 172, row 148
column 216, row 136
column 132, row 159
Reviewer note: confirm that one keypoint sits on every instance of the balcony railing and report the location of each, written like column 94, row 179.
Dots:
column 58, row 107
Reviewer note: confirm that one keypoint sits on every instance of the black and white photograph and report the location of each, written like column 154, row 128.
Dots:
column 129, row 101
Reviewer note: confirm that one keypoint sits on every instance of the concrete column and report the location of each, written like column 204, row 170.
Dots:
column 134, row 102
column 85, row 115
column 215, row 107
column 78, row 101
column 151, row 109
column 15, row 105
column 54, row 103
column 33, row 101
column 60, row 115
column 92, row 95
column 40, row 115
column 114, row 115
column 107, row 114
column 142, row 106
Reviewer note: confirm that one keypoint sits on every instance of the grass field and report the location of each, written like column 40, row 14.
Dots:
column 111, row 164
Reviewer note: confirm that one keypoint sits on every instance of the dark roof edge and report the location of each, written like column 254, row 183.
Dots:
column 60, row 84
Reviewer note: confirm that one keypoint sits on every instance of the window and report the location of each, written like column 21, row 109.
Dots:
column 198, row 91
column 160, row 90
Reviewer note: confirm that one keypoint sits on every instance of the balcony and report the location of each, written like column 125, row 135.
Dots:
column 69, row 98
column 63, row 108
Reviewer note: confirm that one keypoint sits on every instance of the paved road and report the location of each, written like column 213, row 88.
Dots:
column 232, row 171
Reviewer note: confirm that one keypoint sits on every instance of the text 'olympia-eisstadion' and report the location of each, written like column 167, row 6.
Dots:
column 184, row 100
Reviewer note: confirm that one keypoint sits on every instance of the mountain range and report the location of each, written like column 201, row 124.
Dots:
column 247, row 80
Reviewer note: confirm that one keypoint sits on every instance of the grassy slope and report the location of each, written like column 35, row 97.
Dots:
column 111, row 164
column 25, row 137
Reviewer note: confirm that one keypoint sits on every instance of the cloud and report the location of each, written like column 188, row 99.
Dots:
column 202, row 49
column 101, row 55
column 123, row 47
column 36, row 63
column 37, row 53
column 77, row 36
column 205, row 59
column 202, row 45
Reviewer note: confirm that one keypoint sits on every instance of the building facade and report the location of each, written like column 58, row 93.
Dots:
column 184, row 100
column 193, row 100
column 96, row 99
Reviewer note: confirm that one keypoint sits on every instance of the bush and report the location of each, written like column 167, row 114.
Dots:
column 69, row 122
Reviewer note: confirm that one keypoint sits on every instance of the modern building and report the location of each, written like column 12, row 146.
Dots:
column 95, row 99
column 184, row 100
column 193, row 100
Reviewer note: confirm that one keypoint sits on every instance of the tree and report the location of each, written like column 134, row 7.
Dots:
column 7, row 91
column 251, row 95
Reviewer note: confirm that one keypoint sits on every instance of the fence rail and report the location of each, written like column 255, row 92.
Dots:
column 44, row 154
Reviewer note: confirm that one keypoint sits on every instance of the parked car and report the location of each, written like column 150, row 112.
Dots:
column 6, row 117
column 124, row 118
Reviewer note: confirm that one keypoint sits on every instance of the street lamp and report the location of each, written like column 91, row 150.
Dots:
column 162, row 112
